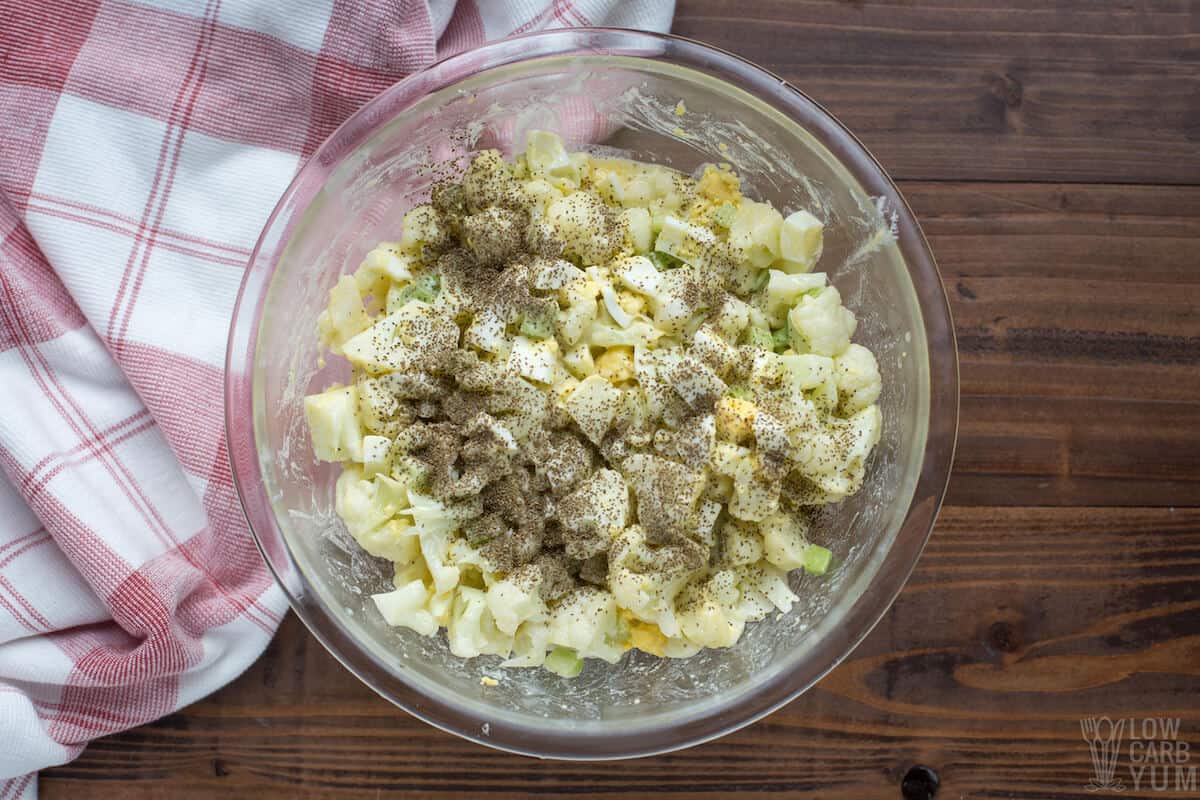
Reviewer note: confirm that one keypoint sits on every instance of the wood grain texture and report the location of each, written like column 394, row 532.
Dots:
column 1017, row 622
column 1076, row 309
column 1052, row 153
column 966, row 89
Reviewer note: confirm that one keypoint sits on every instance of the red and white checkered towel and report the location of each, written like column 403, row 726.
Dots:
column 142, row 146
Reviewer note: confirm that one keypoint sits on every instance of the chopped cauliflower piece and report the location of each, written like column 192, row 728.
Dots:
column 820, row 324
column 405, row 607
column 857, row 375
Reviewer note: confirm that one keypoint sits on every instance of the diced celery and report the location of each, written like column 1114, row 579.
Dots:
column 623, row 630
column 564, row 662
column 425, row 289
column 665, row 260
column 761, row 280
column 740, row 392
column 816, row 559
column 782, row 338
column 760, row 337
column 538, row 324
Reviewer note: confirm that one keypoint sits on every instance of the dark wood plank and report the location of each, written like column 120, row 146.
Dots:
column 1072, row 451
column 1079, row 339
column 1069, row 290
column 1017, row 623
column 970, row 90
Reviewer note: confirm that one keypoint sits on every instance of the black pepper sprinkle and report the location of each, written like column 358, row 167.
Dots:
column 520, row 474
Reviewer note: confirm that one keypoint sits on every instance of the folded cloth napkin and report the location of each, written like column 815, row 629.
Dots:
column 142, row 145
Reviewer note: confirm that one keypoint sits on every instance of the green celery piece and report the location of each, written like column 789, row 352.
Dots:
column 760, row 338
column 740, row 392
column 425, row 288
column 563, row 661
column 782, row 338
column 537, row 325
column 418, row 475
column 816, row 559
column 665, row 260
column 761, row 280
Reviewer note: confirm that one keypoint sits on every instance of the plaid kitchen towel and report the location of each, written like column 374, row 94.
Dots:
column 142, row 146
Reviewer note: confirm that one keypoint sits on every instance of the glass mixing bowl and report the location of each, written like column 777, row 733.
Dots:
column 620, row 91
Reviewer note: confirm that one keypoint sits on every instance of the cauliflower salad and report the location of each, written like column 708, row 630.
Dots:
column 595, row 403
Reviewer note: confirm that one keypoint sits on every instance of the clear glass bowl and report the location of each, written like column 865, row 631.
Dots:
column 615, row 89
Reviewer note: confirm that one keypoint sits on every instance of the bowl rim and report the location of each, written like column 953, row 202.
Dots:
column 897, row 561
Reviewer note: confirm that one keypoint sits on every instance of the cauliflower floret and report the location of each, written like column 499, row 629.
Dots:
column 376, row 454
column 784, row 539
column 355, row 500
column 585, row 620
column 594, row 513
column 819, row 324
column 530, row 644
column 769, row 582
column 667, row 494
column 806, row 370
column 488, row 181
column 856, row 373
column 783, row 290
column 472, row 631
column 435, row 547
column 396, row 540
column 707, row 611
column 834, row 458
column 383, row 262
column 742, row 545
column 645, row 579
column 731, row 318
column 405, row 606
column 515, row 599
column 754, row 497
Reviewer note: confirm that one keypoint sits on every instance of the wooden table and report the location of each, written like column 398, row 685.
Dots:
column 1053, row 157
